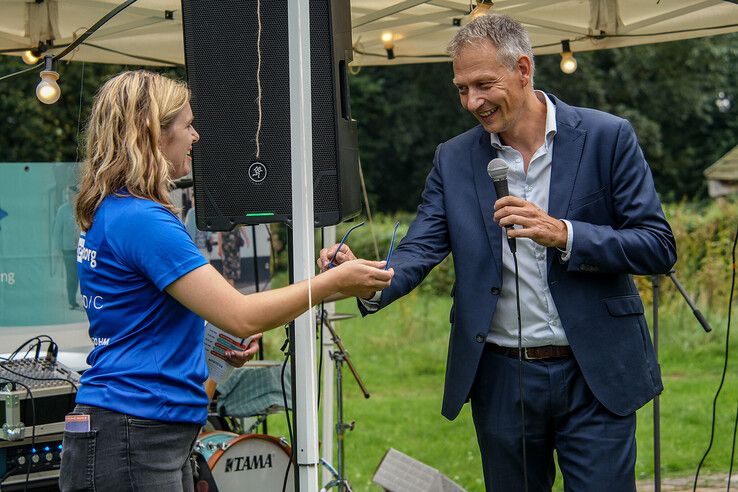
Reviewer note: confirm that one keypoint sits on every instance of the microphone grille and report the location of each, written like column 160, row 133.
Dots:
column 497, row 169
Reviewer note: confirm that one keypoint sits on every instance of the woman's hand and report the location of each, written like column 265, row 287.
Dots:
column 238, row 358
column 326, row 254
column 361, row 278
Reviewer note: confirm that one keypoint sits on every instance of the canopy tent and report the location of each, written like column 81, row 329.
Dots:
column 150, row 31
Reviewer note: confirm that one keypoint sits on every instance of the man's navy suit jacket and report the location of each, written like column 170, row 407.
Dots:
column 600, row 182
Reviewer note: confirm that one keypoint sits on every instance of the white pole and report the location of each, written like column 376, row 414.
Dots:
column 306, row 414
column 329, row 237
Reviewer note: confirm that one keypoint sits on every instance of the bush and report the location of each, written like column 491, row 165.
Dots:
column 704, row 236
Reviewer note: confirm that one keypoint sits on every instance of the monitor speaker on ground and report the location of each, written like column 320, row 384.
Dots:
column 237, row 59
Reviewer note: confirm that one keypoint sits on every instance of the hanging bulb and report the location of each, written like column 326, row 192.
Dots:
column 481, row 9
column 48, row 91
column 388, row 39
column 568, row 63
column 29, row 58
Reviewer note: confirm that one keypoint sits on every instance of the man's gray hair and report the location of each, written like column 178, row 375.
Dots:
column 506, row 34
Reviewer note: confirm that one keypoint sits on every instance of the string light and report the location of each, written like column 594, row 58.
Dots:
column 482, row 8
column 48, row 91
column 568, row 63
column 30, row 58
column 388, row 39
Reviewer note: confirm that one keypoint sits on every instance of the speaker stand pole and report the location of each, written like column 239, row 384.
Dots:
column 305, row 446
column 329, row 238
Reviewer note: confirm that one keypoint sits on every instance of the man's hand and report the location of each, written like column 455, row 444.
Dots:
column 362, row 278
column 238, row 358
column 536, row 224
column 326, row 254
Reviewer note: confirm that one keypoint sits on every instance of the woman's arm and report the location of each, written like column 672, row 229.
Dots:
column 205, row 292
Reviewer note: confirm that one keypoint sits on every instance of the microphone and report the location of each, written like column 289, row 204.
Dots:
column 497, row 170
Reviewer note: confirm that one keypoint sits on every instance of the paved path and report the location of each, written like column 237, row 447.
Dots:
column 707, row 483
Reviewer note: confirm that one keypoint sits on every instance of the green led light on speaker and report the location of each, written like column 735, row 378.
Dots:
column 260, row 214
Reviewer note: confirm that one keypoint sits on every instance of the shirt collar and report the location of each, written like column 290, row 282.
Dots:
column 550, row 130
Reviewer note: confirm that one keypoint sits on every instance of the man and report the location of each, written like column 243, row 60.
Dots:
column 585, row 216
column 65, row 235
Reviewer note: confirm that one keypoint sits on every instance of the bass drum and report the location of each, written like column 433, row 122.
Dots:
column 246, row 463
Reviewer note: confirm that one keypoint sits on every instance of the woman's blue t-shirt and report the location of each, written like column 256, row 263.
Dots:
column 148, row 358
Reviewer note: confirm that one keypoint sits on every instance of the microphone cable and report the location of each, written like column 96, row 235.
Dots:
column 722, row 381
column 511, row 242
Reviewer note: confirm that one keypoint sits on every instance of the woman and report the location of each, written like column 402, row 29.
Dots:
column 147, row 289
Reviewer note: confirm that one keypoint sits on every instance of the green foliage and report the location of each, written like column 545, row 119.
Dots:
column 34, row 132
column 403, row 113
column 704, row 235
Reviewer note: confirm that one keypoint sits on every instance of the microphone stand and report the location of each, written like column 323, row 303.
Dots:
column 339, row 357
column 656, row 285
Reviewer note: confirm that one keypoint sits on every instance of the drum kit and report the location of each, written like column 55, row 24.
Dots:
column 246, row 462
column 250, row 462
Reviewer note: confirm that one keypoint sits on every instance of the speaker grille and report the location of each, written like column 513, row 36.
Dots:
column 222, row 58
column 325, row 176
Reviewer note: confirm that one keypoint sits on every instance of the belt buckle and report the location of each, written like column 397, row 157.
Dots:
column 530, row 357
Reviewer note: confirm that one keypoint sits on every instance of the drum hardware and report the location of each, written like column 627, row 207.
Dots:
column 336, row 478
column 340, row 356
column 247, row 462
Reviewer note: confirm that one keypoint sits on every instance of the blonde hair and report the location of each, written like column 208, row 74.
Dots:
column 128, row 115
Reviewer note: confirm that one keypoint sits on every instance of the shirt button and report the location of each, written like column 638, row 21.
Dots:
column 495, row 291
column 480, row 338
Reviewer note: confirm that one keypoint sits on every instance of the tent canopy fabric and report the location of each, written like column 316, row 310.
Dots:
column 149, row 32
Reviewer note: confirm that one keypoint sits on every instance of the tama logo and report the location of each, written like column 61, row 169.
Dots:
column 241, row 463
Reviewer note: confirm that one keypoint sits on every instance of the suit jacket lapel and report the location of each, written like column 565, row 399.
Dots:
column 567, row 155
column 481, row 154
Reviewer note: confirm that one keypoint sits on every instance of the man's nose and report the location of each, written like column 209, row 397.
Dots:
column 475, row 100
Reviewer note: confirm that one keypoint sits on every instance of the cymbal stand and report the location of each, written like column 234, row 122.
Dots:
column 340, row 356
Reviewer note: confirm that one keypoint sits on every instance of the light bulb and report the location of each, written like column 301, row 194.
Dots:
column 568, row 63
column 48, row 91
column 29, row 58
column 388, row 39
column 481, row 9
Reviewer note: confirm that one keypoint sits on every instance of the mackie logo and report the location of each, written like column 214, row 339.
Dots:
column 241, row 463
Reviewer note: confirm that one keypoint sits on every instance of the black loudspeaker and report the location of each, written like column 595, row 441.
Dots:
column 237, row 58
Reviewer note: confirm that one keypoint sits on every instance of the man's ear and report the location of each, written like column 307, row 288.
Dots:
column 524, row 69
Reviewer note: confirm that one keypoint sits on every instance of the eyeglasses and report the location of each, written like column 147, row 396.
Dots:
column 392, row 245
column 343, row 240
column 345, row 236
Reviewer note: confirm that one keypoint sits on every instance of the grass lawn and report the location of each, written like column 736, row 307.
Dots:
column 400, row 354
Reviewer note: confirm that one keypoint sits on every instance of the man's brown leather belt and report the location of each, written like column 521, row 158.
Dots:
column 533, row 353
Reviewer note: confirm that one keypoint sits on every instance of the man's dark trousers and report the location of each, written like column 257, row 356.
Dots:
column 596, row 449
